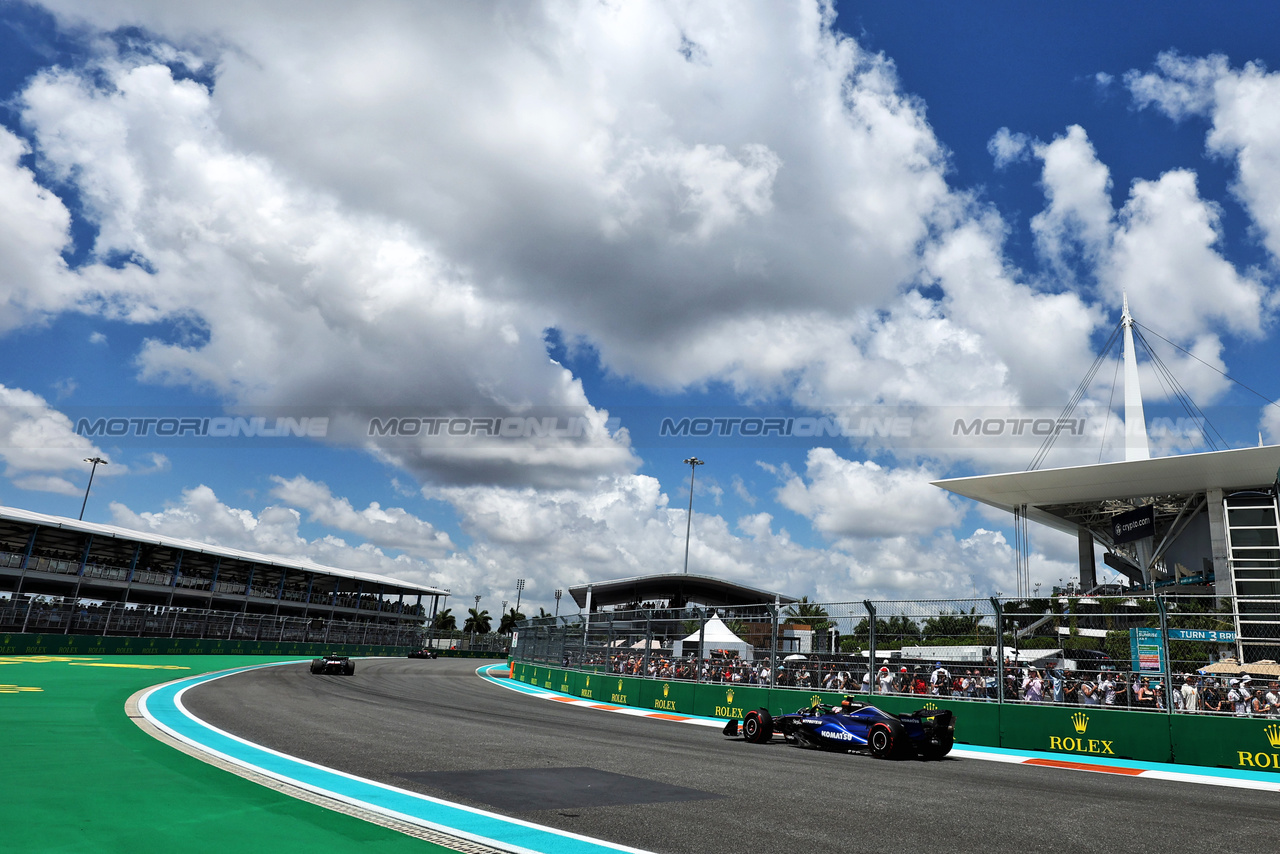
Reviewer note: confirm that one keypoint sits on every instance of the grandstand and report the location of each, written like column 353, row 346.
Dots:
column 61, row 560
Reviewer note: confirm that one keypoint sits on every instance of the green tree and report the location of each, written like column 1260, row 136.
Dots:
column 954, row 627
column 478, row 622
column 445, row 621
column 891, row 633
column 806, row 611
column 508, row 622
column 813, row 615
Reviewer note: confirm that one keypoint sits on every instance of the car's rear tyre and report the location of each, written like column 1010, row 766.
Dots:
column 938, row 750
column 757, row 726
column 317, row 666
column 349, row 668
column 885, row 740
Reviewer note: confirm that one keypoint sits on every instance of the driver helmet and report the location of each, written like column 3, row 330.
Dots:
column 846, row 705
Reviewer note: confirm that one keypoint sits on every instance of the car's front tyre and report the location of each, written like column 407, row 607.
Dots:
column 757, row 726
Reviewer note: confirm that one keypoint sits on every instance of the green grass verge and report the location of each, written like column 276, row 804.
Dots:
column 80, row 776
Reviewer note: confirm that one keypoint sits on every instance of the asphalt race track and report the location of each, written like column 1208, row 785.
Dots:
column 435, row 727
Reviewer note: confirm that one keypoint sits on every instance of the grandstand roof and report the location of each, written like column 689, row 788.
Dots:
column 702, row 589
column 14, row 514
column 1232, row 470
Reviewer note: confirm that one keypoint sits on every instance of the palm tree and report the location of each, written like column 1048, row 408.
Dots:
column 509, row 620
column 478, row 622
column 814, row 615
column 445, row 621
column 543, row 613
column 807, row 611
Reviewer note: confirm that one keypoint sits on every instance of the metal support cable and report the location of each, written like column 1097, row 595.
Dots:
column 1076, row 397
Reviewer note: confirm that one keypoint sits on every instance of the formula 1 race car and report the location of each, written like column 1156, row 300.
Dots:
column 334, row 663
column 425, row 652
column 854, row 726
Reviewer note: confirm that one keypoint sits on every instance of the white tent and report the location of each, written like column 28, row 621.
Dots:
column 715, row 635
column 653, row 644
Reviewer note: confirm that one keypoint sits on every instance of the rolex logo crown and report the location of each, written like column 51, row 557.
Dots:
column 1080, row 721
column 728, row 696
column 619, row 685
column 666, row 689
column 1273, row 734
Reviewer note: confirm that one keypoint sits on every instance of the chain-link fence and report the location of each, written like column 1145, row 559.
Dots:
column 1160, row 653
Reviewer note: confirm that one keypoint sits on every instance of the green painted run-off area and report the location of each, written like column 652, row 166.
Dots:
column 80, row 776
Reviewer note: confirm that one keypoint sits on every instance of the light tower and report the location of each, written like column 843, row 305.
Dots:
column 692, row 463
column 97, row 461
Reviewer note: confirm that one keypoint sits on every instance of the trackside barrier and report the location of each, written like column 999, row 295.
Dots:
column 1251, row 744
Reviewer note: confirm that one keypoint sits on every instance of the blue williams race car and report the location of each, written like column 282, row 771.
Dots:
column 854, row 726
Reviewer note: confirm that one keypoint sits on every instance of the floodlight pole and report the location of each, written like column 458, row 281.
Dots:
column 559, row 593
column 97, row 461
column 692, row 463
column 519, row 590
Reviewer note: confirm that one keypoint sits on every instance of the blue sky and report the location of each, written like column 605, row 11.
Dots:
column 599, row 219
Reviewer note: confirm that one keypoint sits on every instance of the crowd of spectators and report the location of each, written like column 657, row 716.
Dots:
column 1051, row 684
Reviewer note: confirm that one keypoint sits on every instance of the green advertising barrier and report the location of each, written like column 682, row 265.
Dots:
column 534, row 674
column 728, row 699
column 1248, row 744
column 30, row 644
column 566, row 681
column 667, row 696
column 593, row 686
column 1086, row 731
column 621, row 690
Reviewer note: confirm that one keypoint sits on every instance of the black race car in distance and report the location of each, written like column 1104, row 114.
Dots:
column 425, row 652
column 334, row 663
column 854, row 726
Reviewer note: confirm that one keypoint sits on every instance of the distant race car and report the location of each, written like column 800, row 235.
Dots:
column 426, row 652
column 334, row 663
column 854, row 726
